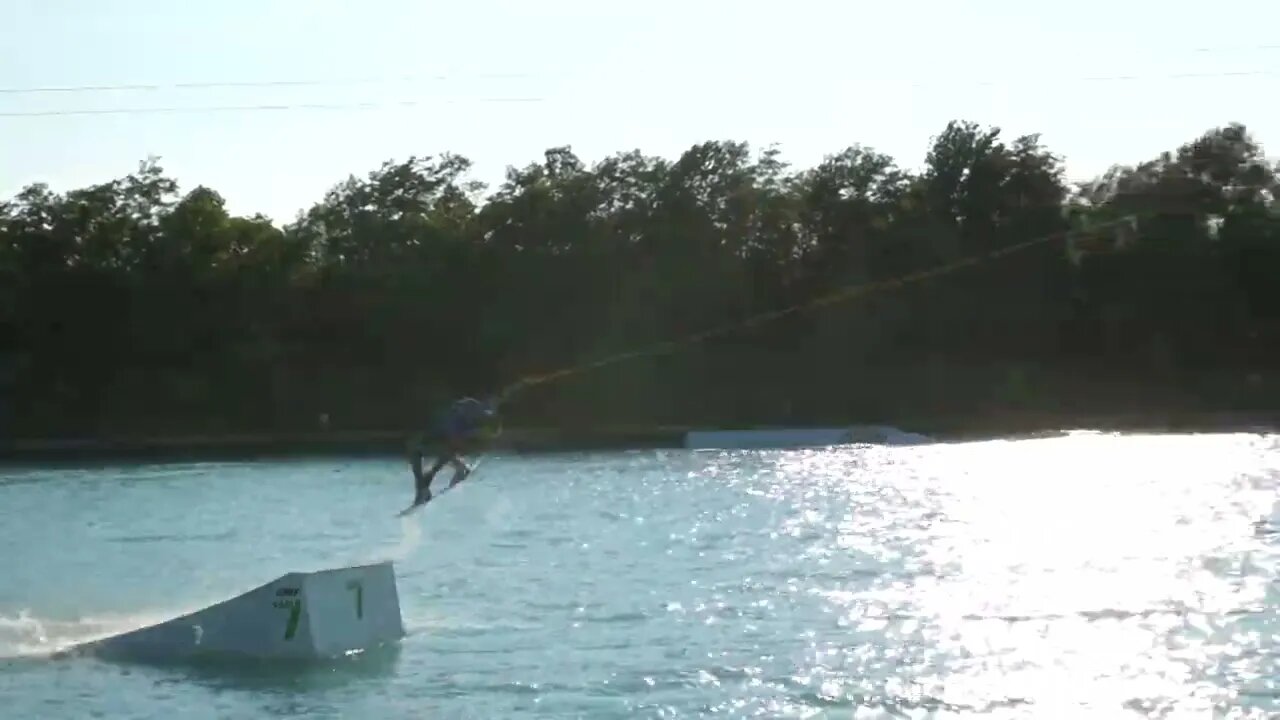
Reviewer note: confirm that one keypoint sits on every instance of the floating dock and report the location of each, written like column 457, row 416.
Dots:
column 785, row 438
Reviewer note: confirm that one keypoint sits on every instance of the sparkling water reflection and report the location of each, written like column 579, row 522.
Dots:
column 1093, row 575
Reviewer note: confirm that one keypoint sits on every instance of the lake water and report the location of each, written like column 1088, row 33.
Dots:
column 1086, row 576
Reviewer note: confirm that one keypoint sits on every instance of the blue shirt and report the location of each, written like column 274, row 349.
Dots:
column 466, row 416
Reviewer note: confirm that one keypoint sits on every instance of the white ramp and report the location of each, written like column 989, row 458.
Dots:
column 298, row 616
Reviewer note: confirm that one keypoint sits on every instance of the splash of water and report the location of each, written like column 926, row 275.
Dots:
column 26, row 635
column 411, row 528
column 410, row 539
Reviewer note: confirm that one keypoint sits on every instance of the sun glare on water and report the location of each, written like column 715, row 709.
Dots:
column 1097, row 574
column 1085, row 576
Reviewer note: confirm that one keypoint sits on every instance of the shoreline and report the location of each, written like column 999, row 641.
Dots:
column 375, row 443
column 382, row 443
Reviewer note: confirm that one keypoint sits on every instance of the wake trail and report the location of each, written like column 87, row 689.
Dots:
column 410, row 539
column 411, row 527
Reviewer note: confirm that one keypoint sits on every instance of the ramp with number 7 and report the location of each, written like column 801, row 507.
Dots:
column 301, row 616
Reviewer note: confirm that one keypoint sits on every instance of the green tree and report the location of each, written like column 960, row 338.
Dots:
column 132, row 306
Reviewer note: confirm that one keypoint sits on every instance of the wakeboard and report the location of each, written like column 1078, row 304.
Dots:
column 434, row 495
column 447, row 488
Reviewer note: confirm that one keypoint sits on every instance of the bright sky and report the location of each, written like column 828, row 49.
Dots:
column 501, row 80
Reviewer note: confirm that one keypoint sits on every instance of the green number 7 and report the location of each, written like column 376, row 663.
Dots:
column 355, row 585
column 291, row 625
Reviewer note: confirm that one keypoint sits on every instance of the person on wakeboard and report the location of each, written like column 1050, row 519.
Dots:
column 460, row 430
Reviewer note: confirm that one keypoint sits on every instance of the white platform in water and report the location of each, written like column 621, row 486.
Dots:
column 302, row 615
column 780, row 438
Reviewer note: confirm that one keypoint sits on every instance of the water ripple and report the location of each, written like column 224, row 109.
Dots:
column 1094, row 574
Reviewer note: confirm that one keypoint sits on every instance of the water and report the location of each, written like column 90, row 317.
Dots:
column 1090, row 576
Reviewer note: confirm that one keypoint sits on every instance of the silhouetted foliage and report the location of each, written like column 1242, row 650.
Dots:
column 131, row 307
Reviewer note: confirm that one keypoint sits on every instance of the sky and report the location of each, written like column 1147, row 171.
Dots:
column 499, row 81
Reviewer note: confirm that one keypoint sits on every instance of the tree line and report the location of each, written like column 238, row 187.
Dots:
column 133, row 307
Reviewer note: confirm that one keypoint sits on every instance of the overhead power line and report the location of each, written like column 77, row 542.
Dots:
column 369, row 105
column 329, row 82
column 197, row 109
column 1236, row 48
column 229, row 84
